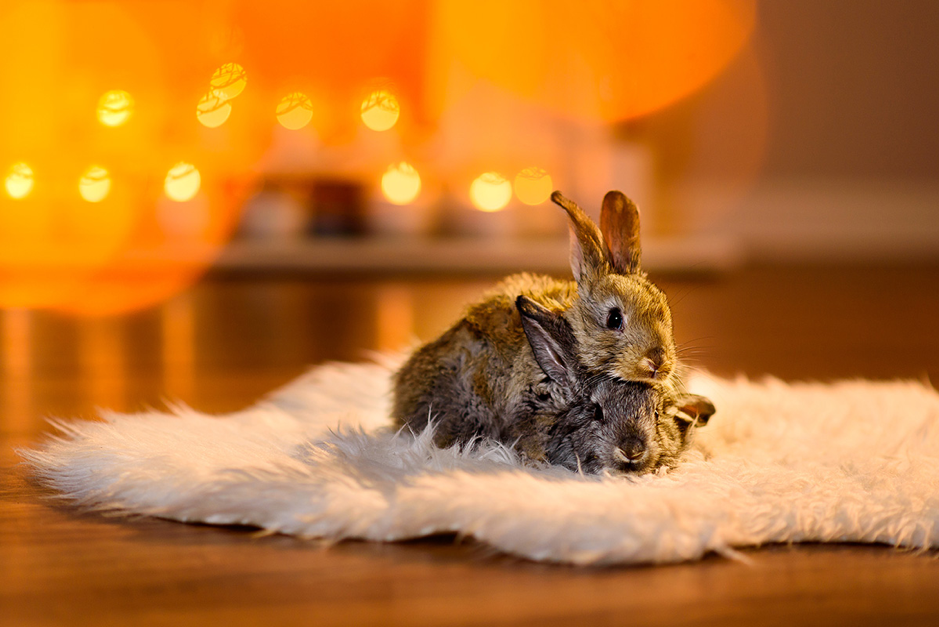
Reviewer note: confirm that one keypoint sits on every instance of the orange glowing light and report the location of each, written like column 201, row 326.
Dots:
column 616, row 60
column 294, row 111
column 115, row 107
column 380, row 110
column 184, row 221
column 95, row 184
column 19, row 181
column 339, row 48
column 153, row 264
column 182, row 182
column 533, row 186
column 490, row 192
column 213, row 110
column 229, row 80
column 401, row 183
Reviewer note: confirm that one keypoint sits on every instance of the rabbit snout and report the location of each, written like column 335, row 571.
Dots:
column 633, row 446
column 652, row 362
column 630, row 455
column 631, row 450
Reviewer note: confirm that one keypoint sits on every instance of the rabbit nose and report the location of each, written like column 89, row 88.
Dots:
column 630, row 451
column 653, row 361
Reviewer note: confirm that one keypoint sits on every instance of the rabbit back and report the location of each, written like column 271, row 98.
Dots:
column 470, row 381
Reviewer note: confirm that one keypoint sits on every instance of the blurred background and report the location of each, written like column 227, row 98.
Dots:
column 201, row 198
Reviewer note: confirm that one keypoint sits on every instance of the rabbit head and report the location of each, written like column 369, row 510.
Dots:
column 621, row 320
column 598, row 423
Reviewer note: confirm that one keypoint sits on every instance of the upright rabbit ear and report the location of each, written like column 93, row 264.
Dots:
column 588, row 259
column 551, row 339
column 619, row 223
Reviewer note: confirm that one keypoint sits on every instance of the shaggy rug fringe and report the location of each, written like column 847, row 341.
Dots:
column 855, row 461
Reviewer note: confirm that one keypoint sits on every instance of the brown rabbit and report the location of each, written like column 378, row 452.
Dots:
column 482, row 375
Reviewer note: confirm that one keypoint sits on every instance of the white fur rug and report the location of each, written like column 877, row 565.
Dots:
column 851, row 462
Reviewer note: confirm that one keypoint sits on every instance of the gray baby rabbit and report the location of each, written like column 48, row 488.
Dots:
column 480, row 374
column 597, row 423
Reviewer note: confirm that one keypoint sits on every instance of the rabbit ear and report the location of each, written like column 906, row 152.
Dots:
column 619, row 223
column 551, row 339
column 693, row 409
column 588, row 259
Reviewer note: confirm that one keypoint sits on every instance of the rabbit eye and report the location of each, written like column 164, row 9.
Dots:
column 614, row 319
column 544, row 397
column 598, row 413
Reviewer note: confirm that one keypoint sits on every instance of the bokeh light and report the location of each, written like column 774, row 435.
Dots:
column 229, row 80
column 213, row 109
column 616, row 60
column 294, row 111
column 380, row 110
column 95, row 184
column 87, row 236
column 490, row 192
column 184, row 222
column 19, row 181
column 164, row 250
column 401, row 183
column 533, row 186
column 182, row 182
column 115, row 107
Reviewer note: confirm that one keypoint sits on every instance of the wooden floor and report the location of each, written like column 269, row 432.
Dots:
column 228, row 341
